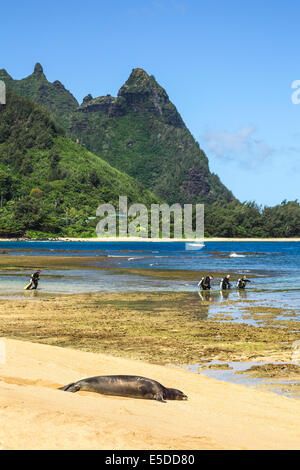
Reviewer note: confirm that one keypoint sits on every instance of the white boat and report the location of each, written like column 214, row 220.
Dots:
column 194, row 245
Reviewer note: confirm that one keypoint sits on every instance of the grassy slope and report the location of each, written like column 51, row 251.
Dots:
column 47, row 179
column 163, row 157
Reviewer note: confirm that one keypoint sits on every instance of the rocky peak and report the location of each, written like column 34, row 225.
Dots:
column 141, row 92
column 142, row 83
column 87, row 98
column 53, row 96
column 4, row 75
column 58, row 85
column 38, row 69
column 103, row 104
column 139, row 78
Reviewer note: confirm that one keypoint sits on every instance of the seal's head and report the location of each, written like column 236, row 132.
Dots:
column 174, row 394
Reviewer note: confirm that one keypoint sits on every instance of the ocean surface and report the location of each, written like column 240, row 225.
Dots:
column 273, row 267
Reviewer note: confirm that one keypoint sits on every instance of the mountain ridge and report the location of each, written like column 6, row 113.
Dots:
column 51, row 185
column 53, row 96
column 139, row 131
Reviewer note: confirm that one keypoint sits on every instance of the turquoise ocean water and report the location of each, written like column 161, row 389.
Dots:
column 275, row 265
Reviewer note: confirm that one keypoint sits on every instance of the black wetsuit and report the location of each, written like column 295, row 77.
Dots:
column 205, row 283
column 225, row 284
column 241, row 284
column 35, row 279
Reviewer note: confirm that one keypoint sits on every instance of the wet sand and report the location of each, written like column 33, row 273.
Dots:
column 218, row 415
column 162, row 327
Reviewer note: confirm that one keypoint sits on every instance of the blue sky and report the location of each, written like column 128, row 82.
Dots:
column 228, row 66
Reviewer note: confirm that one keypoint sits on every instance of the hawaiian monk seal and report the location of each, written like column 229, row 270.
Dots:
column 132, row 386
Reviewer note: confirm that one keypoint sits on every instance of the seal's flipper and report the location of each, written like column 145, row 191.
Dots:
column 159, row 397
column 65, row 388
column 70, row 388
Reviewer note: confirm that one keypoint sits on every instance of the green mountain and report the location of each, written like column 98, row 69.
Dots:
column 48, row 183
column 52, row 185
column 140, row 132
column 53, row 96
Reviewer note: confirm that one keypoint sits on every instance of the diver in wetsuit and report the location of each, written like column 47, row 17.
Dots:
column 241, row 284
column 225, row 284
column 35, row 277
column 204, row 283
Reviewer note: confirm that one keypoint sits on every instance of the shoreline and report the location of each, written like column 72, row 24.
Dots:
column 154, row 240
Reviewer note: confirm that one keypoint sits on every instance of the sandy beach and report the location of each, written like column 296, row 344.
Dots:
column 218, row 415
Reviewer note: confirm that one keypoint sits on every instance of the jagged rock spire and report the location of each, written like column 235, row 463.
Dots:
column 139, row 81
column 141, row 92
column 38, row 68
column 87, row 98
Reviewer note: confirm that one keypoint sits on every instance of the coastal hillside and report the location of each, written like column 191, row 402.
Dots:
column 53, row 96
column 50, row 185
column 140, row 132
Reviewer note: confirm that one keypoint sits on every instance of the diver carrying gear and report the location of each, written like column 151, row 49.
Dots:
column 204, row 283
column 225, row 284
column 241, row 284
column 35, row 277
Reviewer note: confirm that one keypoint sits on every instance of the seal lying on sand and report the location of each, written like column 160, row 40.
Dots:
column 132, row 386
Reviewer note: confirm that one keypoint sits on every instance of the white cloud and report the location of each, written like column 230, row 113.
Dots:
column 240, row 147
